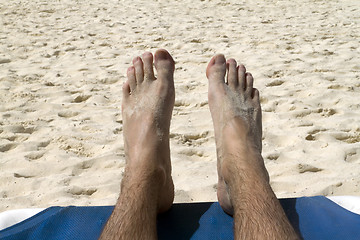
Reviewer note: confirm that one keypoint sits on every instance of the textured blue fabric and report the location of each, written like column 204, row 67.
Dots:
column 60, row 223
column 215, row 224
column 313, row 218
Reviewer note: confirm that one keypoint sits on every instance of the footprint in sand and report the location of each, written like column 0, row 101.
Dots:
column 21, row 129
column 347, row 137
column 34, row 155
column 81, row 98
column 352, row 155
column 75, row 190
column 275, row 83
column 7, row 147
column 303, row 168
column 67, row 114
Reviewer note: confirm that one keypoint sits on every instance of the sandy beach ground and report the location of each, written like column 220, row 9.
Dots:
column 62, row 65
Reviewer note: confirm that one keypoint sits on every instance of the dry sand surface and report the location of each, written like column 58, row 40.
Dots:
column 62, row 64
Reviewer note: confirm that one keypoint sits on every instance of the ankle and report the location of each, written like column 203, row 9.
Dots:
column 237, row 170
column 151, row 179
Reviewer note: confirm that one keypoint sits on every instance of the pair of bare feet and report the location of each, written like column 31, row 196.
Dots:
column 147, row 109
column 243, row 182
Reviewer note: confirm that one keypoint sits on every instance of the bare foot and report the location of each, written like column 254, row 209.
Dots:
column 147, row 108
column 235, row 109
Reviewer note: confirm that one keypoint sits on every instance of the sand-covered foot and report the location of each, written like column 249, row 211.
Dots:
column 235, row 109
column 147, row 107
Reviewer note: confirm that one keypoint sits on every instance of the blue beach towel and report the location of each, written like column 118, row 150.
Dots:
column 312, row 217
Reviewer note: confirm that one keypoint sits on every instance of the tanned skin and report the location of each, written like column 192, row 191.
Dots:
column 243, row 182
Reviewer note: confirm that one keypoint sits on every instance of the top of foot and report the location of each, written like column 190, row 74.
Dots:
column 147, row 105
column 233, row 97
column 145, row 95
column 235, row 109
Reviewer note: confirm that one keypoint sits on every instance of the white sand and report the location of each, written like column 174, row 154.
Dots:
column 62, row 64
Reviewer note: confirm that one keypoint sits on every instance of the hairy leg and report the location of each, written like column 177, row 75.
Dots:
column 147, row 187
column 243, row 188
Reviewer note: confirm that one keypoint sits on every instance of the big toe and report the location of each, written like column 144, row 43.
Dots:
column 216, row 69
column 164, row 65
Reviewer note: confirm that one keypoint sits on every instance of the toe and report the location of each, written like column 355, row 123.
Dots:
column 232, row 77
column 256, row 97
column 241, row 76
column 139, row 69
column 249, row 84
column 216, row 69
column 164, row 65
column 131, row 78
column 126, row 90
column 148, row 66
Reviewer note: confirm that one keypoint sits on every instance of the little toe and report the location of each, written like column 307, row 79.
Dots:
column 216, row 69
column 164, row 65
column 232, row 76
column 255, row 95
column 139, row 69
column 241, row 76
column 249, row 84
column 148, row 66
column 131, row 78
column 256, row 98
column 126, row 90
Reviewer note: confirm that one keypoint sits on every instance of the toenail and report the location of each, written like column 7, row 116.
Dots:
column 146, row 54
column 136, row 59
column 231, row 61
column 161, row 55
column 242, row 68
column 220, row 59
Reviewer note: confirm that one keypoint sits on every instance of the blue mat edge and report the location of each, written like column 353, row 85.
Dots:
column 307, row 205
